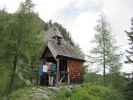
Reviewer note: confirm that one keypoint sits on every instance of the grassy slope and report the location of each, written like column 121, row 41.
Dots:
column 82, row 92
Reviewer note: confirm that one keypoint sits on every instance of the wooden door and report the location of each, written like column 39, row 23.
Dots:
column 74, row 70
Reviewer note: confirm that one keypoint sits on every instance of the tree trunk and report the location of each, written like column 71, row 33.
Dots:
column 32, row 72
column 104, row 69
column 104, row 55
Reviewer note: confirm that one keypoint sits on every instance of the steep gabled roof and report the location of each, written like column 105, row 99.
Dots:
column 63, row 50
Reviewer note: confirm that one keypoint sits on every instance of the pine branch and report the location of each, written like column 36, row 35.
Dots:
column 129, row 60
column 130, row 52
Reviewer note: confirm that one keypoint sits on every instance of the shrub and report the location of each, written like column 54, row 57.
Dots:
column 89, row 92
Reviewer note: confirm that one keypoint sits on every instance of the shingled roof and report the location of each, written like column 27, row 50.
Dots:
column 64, row 49
column 52, row 32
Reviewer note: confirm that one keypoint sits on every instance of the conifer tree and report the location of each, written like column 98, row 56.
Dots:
column 130, row 50
column 21, row 42
column 105, row 53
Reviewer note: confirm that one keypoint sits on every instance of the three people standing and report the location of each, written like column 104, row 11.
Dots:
column 48, row 74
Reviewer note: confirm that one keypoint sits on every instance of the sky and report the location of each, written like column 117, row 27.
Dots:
column 80, row 18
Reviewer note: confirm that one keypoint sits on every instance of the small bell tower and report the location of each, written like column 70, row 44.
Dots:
column 56, row 35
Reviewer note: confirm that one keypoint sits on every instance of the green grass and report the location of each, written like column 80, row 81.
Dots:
column 89, row 92
column 79, row 92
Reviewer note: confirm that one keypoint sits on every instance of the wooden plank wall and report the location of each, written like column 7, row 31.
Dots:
column 74, row 70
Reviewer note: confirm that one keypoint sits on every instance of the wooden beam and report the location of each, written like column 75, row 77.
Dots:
column 68, row 75
column 68, row 72
column 58, row 72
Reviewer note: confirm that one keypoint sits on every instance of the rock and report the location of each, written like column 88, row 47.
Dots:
column 40, row 96
column 55, row 89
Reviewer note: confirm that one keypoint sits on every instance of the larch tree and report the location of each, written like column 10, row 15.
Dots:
column 4, row 61
column 21, row 42
column 130, row 50
column 105, row 53
column 129, row 88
